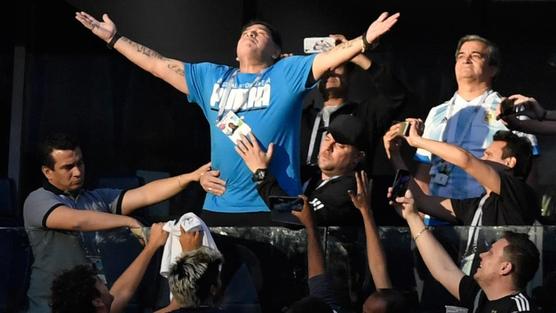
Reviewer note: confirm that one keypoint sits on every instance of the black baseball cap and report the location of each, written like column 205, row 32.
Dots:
column 348, row 130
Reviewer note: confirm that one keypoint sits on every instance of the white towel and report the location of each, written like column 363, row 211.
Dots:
column 172, row 248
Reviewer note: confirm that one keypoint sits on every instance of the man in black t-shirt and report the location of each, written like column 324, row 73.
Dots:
column 507, row 200
column 503, row 273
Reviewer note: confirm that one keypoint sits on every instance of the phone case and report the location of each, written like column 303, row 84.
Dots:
column 318, row 44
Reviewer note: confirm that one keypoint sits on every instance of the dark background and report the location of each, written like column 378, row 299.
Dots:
column 128, row 120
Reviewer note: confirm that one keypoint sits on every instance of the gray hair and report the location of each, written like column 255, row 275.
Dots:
column 493, row 53
column 193, row 275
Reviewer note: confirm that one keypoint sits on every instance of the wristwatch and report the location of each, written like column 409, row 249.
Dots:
column 259, row 175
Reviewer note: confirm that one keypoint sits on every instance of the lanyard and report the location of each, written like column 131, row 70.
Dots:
column 459, row 140
column 475, row 223
column 231, row 83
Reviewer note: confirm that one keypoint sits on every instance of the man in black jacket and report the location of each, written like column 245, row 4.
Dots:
column 340, row 153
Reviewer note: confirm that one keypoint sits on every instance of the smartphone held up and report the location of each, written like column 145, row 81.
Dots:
column 318, row 44
column 400, row 184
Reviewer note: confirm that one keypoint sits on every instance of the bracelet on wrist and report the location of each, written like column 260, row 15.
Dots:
column 112, row 41
column 420, row 233
column 364, row 44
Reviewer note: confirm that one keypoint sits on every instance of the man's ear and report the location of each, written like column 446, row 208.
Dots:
column 46, row 171
column 510, row 162
column 506, row 268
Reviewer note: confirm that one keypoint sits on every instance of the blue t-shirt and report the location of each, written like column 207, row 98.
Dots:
column 270, row 102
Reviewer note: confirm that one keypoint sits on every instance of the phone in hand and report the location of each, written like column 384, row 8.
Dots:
column 285, row 203
column 318, row 44
column 404, row 129
column 400, row 184
column 508, row 108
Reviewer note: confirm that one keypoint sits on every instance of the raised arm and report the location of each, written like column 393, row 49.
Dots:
column 315, row 258
column 66, row 218
column 436, row 206
column 170, row 70
column 487, row 176
column 376, row 258
column 345, row 51
column 541, row 121
column 124, row 287
column 159, row 190
column 437, row 260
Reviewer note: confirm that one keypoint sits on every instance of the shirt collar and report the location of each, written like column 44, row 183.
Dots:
column 48, row 186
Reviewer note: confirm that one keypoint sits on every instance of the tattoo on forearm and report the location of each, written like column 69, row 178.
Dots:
column 178, row 69
column 144, row 50
column 345, row 45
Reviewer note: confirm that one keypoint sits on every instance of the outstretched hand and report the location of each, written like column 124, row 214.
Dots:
column 201, row 171
column 105, row 30
column 250, row 151
column 380, row 26
column 211, row 182
column 361, row 199
column 392, row 141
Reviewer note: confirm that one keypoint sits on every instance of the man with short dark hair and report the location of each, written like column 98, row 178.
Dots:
column 508, row 199
column 504, row 270
column 81, row 290
column 501, row 171
column 56, row 214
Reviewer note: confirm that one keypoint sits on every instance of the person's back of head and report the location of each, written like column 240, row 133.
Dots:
column 524, row 256
column 195, row 277
column 55, row 141
column 309, row 305
column 518, row 147
column 386, row 301
column 74, row 291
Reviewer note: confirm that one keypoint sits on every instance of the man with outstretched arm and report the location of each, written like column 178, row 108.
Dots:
column 264, row 91
column 501, row 171
column 503, row 273
column 55, row 214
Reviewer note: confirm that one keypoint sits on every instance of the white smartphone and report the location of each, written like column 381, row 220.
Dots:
column 318, row 44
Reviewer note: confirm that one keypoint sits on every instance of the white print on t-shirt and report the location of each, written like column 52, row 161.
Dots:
column 243, row 97
column 317, row 204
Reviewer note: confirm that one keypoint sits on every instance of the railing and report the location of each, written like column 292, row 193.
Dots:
column 276, row 262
